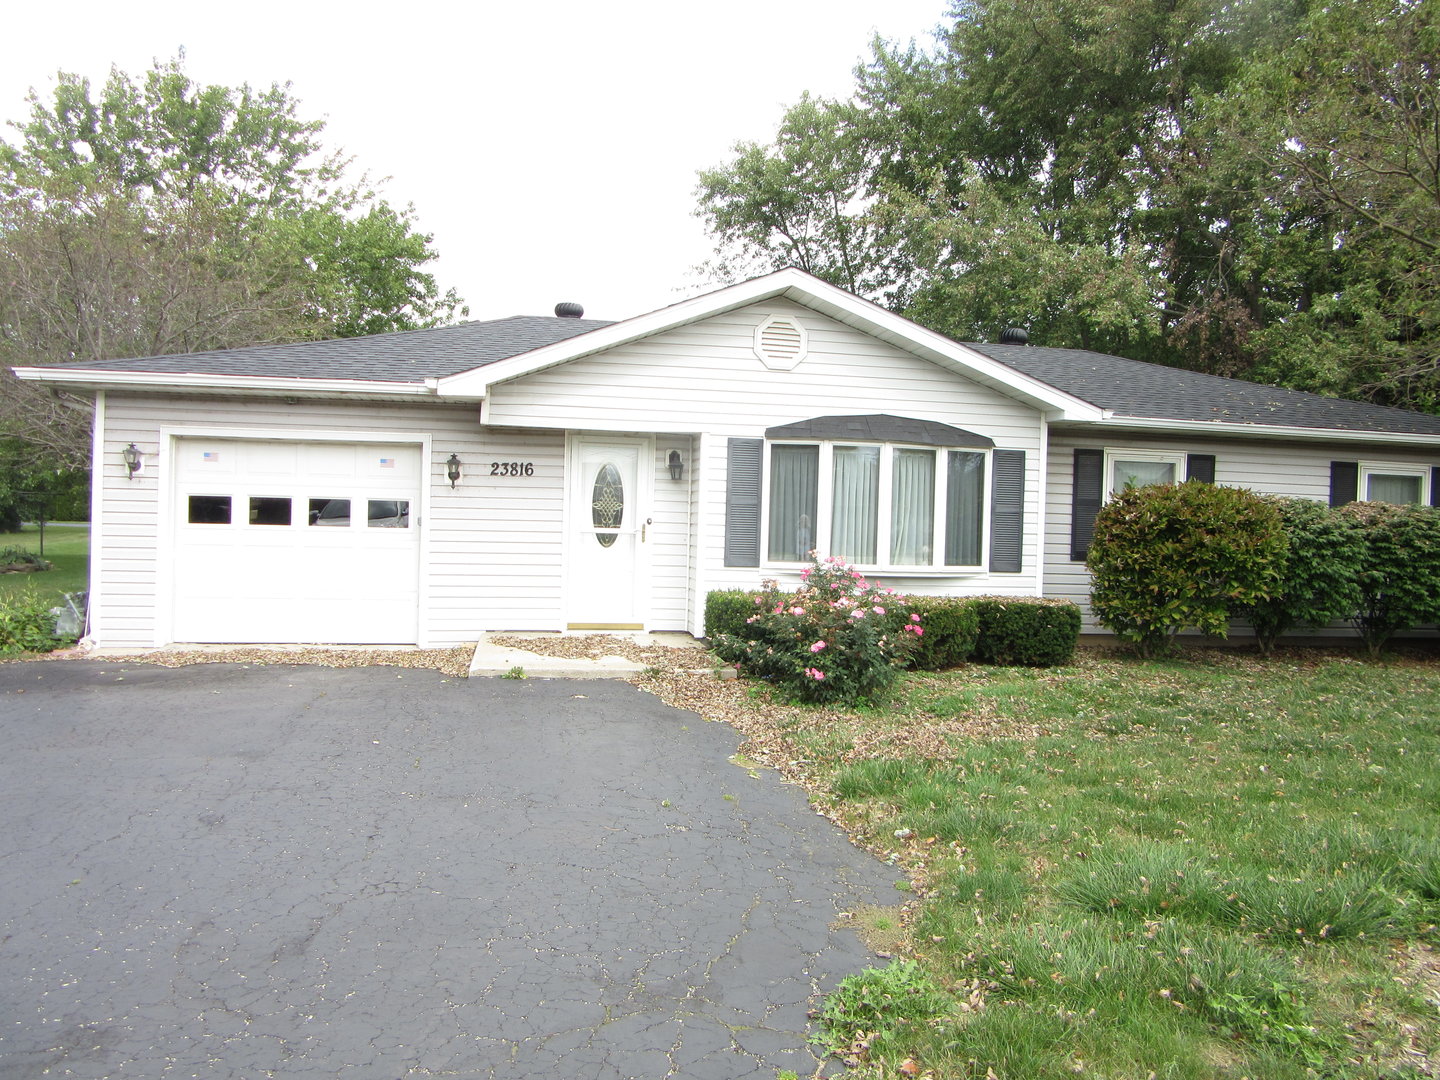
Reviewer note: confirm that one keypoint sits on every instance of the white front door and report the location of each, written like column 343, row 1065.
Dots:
column 606, row 586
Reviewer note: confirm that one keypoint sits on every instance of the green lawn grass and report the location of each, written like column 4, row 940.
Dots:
column 1206, row 867
column 68, row 547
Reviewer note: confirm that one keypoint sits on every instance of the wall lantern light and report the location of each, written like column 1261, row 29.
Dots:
column 452, row 470
column 131, row 454
column 677, row 467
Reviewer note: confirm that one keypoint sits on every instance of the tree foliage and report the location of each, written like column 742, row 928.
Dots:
column 1243, row 188
column 164, row 216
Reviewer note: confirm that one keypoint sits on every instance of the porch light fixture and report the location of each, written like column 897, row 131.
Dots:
column 677, row 467
column 131, row 454
column 452, row 470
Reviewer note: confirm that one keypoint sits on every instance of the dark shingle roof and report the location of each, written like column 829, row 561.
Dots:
column 1152, row 391
column 1126, row 387
column 405, row 357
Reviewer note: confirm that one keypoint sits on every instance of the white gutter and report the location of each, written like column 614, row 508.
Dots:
column 157, row 380
column 1260, row 431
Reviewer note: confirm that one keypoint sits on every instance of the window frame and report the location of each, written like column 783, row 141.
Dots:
column 1369, row 469
column 1115, row 454
column 824, row 503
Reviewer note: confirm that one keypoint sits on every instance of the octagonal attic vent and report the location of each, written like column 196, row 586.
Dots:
column 781, row 342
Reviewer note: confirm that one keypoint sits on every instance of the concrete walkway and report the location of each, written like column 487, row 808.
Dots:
column 227, row 871
column 492, row 659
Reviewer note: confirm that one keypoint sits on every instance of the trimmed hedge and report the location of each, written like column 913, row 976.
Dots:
column 951, row 626
column 1399, row 576
column 1171, row 557
column 1028, row 631
column 1015, row 631
column 727, row 609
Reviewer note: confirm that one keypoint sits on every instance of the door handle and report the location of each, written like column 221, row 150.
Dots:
column 648, row 523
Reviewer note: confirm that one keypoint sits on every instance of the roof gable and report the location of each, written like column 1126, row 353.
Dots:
column 802, row 289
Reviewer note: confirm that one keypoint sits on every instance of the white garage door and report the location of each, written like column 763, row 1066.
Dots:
column 296, row 541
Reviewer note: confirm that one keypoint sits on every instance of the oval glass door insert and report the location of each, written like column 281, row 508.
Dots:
column 607, row 503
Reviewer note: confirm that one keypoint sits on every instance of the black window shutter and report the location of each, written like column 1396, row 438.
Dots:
column 1344, row 482
column 1085, row 502
column 742, row 502
column 1007, row 510
column 1435, row 485
column 1200, row 467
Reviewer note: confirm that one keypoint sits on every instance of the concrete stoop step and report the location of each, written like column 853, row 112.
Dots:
column 491, row 659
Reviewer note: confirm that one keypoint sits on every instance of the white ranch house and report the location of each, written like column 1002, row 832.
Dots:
column 563, row 473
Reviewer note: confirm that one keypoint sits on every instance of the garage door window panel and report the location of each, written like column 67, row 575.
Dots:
column 209, row 510
column 269, row 510
column 331, row 513
column 388, row 514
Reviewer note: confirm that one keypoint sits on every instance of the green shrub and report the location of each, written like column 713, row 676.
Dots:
column 1026, row 631
column 836, row 638
column 726, row 611
column 1319, row 578
column 1399, row 577
column 26, row 625
column 1169, row 557
column 952, row 624
column 13, row 555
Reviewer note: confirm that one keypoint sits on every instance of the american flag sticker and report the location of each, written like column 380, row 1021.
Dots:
column 211, row 455
column 387, row 462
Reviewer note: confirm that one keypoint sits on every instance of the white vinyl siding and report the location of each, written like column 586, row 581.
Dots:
column 1269, row 468
column 493, row 545
column 706, row 380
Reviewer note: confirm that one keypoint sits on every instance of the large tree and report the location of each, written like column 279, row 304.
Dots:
column 1243, row 188
column 164, row 216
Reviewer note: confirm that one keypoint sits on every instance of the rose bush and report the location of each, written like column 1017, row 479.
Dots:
column 836, row 638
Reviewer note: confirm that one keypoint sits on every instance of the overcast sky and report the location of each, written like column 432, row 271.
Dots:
column 550, row 148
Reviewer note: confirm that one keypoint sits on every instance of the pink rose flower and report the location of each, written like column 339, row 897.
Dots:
column 815, row 673
column 879, row 610
column 817, row 646
column 797, row 610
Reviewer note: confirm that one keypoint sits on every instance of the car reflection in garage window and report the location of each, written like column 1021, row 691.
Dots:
column 330, row 512
column 389, row 514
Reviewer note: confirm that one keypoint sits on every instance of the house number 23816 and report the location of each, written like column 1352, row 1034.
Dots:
column 512, row 468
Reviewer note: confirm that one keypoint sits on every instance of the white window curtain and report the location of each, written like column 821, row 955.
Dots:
column 855, row 506
column 912, row 507
column 964, row 508
column 794, row 488
column 1130, row 473
column 1390, row 488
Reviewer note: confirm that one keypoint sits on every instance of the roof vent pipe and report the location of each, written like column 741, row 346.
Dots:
column 566, row 310
column 1014, row 336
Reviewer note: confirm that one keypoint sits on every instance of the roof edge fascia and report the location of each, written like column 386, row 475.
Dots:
column 100, row 379
column 801, row 288
column 1285, row 431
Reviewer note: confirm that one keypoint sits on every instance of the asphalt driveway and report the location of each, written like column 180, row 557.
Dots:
column 229, row 871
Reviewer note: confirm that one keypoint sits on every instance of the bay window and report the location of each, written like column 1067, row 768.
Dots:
column 876, row 505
